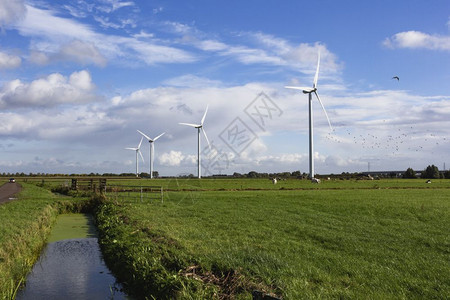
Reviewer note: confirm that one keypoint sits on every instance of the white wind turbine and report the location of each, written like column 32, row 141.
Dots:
column 309, row 91
column 199, row 128
column 152, row 149
column 138, row 150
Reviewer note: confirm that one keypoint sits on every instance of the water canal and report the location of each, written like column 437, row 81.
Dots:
column 71, row 265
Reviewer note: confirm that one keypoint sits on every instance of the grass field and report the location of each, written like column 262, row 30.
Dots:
column 253, row 184
column 340, row 239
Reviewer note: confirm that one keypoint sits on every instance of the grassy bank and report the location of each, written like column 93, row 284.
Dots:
column 300, row 244
column 24, row 227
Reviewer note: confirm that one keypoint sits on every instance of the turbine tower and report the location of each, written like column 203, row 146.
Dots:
column 138, row 150
column 199, row 128
column 152, row 149
column 310, row 91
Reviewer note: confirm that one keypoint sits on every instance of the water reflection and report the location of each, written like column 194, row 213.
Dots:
column 71, row 269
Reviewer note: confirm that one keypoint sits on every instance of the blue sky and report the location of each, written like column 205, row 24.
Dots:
column 78, row 78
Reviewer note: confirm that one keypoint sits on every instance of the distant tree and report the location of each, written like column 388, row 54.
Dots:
column 155, row 174
column 284, row 175
column 431, row 172
column 238, row 175
column 447, row 174
column 252, row 174
column 410, row 173
column 296, row 174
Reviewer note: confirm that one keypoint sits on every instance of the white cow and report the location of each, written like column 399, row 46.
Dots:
column 315, row 180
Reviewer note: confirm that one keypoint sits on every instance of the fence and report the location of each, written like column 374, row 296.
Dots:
column 134, row 193
column 88, row 184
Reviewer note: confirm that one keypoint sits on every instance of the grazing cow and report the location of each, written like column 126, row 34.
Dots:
column 274, row 180
column 428, row 181
column 315, row 180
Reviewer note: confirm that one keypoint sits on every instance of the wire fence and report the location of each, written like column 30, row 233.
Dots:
column 127, row 193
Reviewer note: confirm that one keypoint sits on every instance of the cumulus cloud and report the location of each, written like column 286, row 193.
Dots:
column 172, row 158
column 11, row 11
column 49, row 91
column 418, row 40
column 9, row 61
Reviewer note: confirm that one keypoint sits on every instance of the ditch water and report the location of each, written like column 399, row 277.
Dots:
column 71, row 265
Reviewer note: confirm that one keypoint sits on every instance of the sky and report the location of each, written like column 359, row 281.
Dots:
column 78, row 78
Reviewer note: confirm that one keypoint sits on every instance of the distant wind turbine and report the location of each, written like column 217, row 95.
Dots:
column 152, row 149
column 138, row 150
column 310, row 91
column 199, row 128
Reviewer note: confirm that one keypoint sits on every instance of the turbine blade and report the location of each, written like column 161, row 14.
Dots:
column 320, row 101
column 158, row 136
column 146, row 136
column 189, row 124
column 300, row 88
column 140, row 153
column 206, row 137
column 204, row 115
column 131, row 149
column 140, row 143
column 316, row 77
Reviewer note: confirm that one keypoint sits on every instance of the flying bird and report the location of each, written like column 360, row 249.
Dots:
column 396, row 77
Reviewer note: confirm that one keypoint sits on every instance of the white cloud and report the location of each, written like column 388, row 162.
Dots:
column 11, row 11
column 192, row 81
column 8, row 61
column 113, row 5
column 143, row 35
column 172, row 158
column 38, row 58
column 81, row 80
column 48, row 91
column 418, row 40
column 82, row 52
column 59, row 38
column 106, row 23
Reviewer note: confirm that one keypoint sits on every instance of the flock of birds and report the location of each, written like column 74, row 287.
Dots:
column 398, row 141
column 402, row 139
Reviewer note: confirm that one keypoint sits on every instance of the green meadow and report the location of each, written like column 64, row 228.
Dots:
column 340, row 239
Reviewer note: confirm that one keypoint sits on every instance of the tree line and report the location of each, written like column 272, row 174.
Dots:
column 430, row 172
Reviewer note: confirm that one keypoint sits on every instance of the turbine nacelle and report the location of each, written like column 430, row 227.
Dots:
column 150, row 140
column 309, row 91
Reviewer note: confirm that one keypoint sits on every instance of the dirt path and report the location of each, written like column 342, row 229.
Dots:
column 8, row 190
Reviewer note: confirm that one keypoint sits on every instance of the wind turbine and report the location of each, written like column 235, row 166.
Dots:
column 138, row 150
column 310, row 91
column 152, row 149
column 199, row 128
